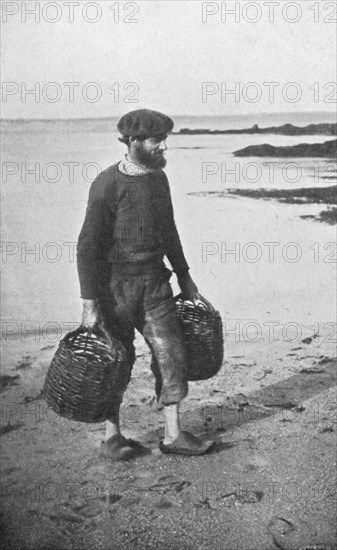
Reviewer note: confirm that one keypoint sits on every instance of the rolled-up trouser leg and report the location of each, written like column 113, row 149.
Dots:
column 163, row 333
column 147, row 303
column 116, row 321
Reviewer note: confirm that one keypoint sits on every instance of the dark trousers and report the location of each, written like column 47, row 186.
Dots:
column 146, row 302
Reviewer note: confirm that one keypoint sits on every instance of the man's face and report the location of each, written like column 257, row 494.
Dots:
column 150, row 152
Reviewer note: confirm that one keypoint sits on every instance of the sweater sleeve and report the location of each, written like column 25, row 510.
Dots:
column 95, row 240
column 174, row 250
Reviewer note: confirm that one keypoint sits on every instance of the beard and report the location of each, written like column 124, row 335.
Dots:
column 153, row 160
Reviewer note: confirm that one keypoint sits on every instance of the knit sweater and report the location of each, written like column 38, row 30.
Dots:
column 128, row 228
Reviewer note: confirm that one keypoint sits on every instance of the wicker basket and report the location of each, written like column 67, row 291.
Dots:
column 202, row 327
column 88, row 373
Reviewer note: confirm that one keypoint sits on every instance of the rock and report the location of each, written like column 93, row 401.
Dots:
column 328, row 129
column 326, row 149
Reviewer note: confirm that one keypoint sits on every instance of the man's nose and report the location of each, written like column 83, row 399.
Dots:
column 163, row 145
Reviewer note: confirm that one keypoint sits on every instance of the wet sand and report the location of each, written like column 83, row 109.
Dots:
column 318, row 195
column 327, row 195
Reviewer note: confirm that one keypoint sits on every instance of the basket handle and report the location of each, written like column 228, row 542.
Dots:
column 201, row 299
column 97, row 329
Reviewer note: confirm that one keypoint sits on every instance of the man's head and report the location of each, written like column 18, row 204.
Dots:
column 144, row 132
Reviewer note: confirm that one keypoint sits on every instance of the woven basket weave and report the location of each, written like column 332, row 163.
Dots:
column 89, row 371
column 202, row 328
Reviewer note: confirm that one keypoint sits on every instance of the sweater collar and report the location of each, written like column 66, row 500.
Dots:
column 131, row 169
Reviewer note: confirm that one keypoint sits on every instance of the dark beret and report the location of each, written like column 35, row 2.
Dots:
column 144, row 123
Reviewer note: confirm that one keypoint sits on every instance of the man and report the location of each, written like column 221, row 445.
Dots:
column 128, row 229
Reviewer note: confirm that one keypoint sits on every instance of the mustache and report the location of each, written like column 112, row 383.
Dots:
column 154, row 159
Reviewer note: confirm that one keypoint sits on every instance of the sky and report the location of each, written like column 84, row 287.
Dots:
column 99, row 59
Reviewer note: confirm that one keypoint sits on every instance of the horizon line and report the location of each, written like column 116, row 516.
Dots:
column 19, row 119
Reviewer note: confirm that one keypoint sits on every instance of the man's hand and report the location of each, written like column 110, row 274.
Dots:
column 188, row 287
column 90, row 315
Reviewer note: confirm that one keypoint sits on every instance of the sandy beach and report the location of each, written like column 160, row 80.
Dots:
column 269, row 270
column 269, row 484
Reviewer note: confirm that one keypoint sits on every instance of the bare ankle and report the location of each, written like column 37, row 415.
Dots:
column 111, row 429
column 170, row 437
column 172, row 423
